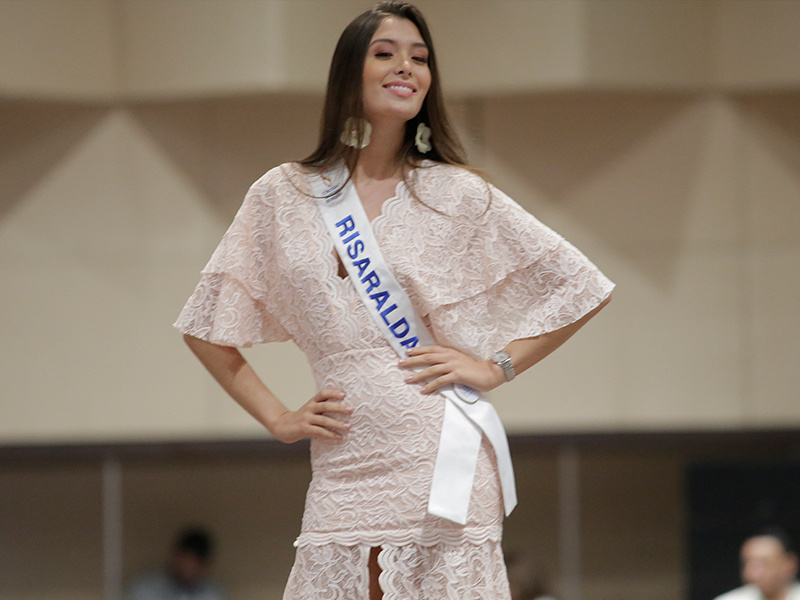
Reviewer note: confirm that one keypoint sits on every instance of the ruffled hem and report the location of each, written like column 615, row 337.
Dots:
column 514, row 309
column 402, row 537
column 474, row 571
column 222, row 311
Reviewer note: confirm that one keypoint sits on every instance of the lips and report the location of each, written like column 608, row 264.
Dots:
column 401, row 88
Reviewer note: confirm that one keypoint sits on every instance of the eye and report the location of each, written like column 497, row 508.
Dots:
column 423, row 60
column 383, row 54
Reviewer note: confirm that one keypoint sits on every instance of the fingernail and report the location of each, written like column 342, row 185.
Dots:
column 409, row 379
column 402, row 363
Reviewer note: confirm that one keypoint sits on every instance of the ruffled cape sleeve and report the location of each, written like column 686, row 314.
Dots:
column 236, row 303
column 484, row 270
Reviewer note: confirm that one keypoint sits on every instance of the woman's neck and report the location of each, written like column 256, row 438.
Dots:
column 381, row 159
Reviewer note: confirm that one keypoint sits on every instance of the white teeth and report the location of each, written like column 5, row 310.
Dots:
column 399, row 87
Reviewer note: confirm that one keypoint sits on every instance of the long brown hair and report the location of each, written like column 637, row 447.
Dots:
column 344, row 96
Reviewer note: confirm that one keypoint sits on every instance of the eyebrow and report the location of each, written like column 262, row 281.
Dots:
column 387, row 40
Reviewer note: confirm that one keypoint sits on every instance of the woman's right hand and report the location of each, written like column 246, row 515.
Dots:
column 313, row 418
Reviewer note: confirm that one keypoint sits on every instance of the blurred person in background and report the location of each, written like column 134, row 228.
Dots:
column 769, row 568
column 186, row 574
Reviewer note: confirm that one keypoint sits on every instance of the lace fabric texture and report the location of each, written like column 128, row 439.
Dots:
column 409, row 572
column 481, row 277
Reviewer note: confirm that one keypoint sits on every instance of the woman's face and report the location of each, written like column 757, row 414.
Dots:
column 396, row 73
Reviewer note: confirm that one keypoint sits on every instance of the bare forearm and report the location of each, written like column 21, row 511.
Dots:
column 528, row 351
column 237, row 378
column 321, row 416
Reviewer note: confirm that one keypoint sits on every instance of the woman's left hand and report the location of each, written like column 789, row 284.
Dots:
column 444, row 365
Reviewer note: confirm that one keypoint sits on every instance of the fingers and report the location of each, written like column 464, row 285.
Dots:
column 326, row 427
column 433, row 385
column 430, row 372
column 428, row 355
column 328, row 394
column 438, row 366
column 320, row 417
column 427, row 350
column 317, row 414
column 329, row 400
column 431, row 382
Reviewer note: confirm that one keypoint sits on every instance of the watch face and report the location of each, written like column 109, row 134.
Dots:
column 500, row 357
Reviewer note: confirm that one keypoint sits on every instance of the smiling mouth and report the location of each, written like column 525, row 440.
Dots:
column 400, row 88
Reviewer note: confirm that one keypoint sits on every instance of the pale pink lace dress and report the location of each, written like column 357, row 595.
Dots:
column 481, row 277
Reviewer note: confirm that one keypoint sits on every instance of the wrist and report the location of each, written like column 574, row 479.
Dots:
column 271, row 413
column 497, row 375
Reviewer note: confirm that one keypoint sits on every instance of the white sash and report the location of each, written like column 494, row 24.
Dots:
column 467, row 415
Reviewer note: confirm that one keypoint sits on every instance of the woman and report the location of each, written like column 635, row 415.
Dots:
column 484, row 275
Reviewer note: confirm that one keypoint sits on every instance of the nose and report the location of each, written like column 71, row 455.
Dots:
column 404, row 66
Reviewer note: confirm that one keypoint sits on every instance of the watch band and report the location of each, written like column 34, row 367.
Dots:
column 503, row 360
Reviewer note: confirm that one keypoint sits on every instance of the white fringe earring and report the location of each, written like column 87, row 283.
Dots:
column 350, row 135
column 423, row 138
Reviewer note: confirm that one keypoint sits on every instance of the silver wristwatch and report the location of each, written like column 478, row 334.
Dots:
column 503, row 360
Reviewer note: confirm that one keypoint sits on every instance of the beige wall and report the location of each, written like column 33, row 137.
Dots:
column 64, row 49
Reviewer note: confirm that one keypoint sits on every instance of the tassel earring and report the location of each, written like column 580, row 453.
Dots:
column 350, row 135
column 423, row 138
